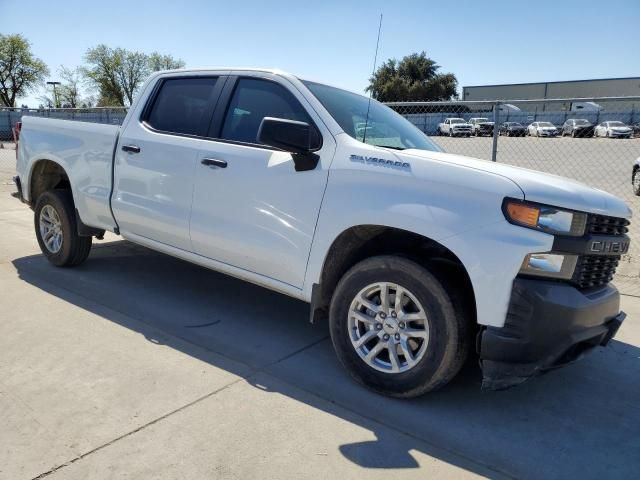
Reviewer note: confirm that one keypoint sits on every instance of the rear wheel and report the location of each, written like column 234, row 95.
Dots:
column 636, row 181
column 56, row 229
column 396, row 329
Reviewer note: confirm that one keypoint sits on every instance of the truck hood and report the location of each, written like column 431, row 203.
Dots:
column 536, row 186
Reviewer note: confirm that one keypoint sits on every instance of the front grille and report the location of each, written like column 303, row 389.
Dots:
column 603, row 225
column 595, row 270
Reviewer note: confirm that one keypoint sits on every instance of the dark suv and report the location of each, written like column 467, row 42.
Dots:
column 578, row 127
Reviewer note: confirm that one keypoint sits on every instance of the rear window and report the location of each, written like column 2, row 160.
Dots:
column 183, row 105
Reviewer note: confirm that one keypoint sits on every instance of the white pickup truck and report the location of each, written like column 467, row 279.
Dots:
column 418, row 258
column 455, row 127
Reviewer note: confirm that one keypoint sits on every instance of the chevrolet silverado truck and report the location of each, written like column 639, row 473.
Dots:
column 417, row 258
column 481, row 126
column 455, row 127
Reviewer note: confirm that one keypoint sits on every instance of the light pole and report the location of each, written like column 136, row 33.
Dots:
column 55, row 93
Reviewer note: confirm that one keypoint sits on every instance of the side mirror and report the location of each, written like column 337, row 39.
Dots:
column 288, row 135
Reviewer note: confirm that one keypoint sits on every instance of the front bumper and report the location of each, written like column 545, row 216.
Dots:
column 549, row 324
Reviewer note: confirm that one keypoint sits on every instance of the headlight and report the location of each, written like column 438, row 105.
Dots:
column 551, row 265
column 545, row 218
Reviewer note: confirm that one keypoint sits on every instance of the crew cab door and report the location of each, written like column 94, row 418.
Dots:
column 251, row 208
column 156, row 155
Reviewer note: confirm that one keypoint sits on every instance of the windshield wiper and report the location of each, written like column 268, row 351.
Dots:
column 389, row 146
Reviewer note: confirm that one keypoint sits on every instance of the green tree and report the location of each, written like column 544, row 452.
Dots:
column 414, row 78
column 118, row 73
column 20, row 70
column 68, row 93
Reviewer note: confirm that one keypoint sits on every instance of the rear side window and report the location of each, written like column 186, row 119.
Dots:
column 254, row 99
column 183, row 105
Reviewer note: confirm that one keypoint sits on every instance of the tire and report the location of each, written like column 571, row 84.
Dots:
column 438, row 357
column 451, row 133
column 59, row 209
column 635, row 180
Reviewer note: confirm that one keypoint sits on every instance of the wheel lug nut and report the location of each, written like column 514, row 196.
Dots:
column 397, row 336
column 378, row 326
column 386, row 336
column 383, row 315
column 401, row 324
column 393, row 315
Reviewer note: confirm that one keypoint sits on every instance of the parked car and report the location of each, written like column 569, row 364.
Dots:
column 455, row 127
column 415, row 257
column 635, row 176
column 481, row 126
column 542, row 129
column 613, row 129
column 636, row 129
column 512, row 129
column 578, row 127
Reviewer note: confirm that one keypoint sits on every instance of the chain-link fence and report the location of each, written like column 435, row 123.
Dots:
column 594, row 141
column 10, row 116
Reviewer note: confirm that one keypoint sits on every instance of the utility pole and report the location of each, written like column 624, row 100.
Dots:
column 55, row 93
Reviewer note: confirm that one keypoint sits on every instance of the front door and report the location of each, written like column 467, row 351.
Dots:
column 257, row 213
column 156, row 159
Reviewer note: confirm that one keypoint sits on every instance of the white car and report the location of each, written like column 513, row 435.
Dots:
column 542, row 129
column 481, row 126
column 455, row 127
column 613, row 129
column 417, row 258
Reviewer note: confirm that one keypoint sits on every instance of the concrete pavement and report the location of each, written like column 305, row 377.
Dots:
column 138, row 365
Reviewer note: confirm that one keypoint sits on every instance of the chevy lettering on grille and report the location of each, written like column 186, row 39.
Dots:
column 609, row 246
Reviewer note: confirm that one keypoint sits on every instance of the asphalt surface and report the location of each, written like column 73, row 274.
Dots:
column 139, row 365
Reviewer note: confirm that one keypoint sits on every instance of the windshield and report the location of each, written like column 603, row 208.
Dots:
column 514, row 124
column 457, row 120
column 582, row 122
column 545, row 124
column 384, row 128
column 477, row 120
column 616, row 124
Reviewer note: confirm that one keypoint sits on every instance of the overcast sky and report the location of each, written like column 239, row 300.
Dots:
column 482, row 42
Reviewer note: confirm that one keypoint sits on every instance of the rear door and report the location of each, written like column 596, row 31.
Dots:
column 156, row 158
column 257, row 213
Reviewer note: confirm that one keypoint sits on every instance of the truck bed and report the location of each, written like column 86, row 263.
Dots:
column 84, row 150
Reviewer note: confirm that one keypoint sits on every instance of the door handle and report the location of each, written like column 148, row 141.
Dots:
column 214, row 162
column 131, row 148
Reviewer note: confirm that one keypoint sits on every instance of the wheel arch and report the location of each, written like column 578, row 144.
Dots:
column 46, row 174
column 363, row 241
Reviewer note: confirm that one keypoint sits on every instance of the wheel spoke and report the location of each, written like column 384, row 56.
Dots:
column 415, row 332
column 363, row 317
column 393, row 357
column 398, row 300
column 373, row 353
column 368, row 303
column 365, row 338
column 406, row 351
column 384, row 296
column 412, row 317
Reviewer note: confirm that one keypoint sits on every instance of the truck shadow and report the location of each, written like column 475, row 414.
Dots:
column 582, row 421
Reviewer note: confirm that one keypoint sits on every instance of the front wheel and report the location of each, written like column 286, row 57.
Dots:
column 56, row 229
column 636, row 181
column 396, row 329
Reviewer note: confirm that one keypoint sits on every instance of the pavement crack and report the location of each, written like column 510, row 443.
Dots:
column 138, row 429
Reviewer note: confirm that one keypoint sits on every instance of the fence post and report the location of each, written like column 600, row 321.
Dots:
column 496, row 128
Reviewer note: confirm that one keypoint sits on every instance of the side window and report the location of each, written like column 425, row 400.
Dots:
column 183, row 105
column 254, row 99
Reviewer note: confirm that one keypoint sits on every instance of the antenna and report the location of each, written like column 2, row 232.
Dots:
column 375, row 61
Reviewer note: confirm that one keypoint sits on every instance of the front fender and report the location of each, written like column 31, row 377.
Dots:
column 458, row 208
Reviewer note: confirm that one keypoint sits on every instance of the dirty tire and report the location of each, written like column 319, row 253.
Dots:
column 449, row 327
column 75, row 249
